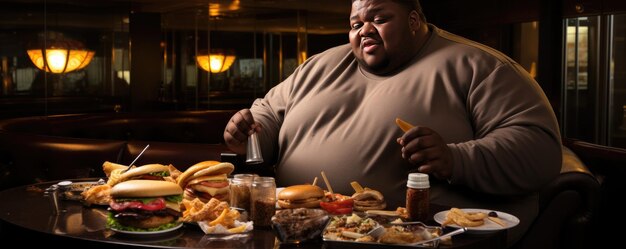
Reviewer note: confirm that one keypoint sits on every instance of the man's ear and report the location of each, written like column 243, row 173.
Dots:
column 414, row 20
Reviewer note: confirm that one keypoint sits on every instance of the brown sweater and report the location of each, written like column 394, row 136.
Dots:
column 330, row 115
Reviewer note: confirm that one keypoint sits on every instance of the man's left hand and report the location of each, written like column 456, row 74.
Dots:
column 425, row 148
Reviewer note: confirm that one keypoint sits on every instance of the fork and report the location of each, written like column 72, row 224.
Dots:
column 455, row 232
column 377, row 231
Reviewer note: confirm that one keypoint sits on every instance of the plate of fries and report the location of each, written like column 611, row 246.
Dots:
column 476, row 220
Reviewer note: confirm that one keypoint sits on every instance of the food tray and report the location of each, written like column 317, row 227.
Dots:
column 332, row 243
column 74, row 190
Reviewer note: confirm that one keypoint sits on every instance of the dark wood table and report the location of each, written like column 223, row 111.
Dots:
column 27, row 215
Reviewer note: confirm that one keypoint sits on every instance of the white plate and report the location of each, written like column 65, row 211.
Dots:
column 489, row 225
column 148, row 232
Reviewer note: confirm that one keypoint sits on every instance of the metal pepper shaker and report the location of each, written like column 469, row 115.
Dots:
column 54, row 192
column 253, row 154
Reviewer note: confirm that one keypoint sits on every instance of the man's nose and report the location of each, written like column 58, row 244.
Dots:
column 367, row 29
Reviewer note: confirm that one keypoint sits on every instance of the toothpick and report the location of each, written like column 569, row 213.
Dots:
column 330, row 189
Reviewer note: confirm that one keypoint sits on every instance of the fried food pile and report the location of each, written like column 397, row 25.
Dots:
column 472, row 219
column 215, row 216
column 98, row 195
column 196, row 210
column 407, row 235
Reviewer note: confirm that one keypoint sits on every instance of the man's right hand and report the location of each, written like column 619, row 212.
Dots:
column 239, row 127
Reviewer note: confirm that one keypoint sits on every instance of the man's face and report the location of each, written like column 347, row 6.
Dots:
column 380, row 35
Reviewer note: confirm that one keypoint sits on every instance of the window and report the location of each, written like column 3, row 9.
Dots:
column 617, row 82
column 580, row 115
column 594, row 92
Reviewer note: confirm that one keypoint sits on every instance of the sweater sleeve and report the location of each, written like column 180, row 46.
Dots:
column 517, row 145
column 270, row 113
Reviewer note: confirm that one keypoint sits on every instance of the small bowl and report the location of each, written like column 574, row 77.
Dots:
column 298, row 225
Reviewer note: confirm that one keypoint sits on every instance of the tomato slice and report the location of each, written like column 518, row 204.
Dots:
column 338, row 206
column 344, row 203
column 156, row 204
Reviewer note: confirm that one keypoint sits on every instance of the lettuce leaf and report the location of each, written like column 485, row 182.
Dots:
column 174, row 198
column 161, row 174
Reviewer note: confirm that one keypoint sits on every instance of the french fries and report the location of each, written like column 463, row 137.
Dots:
column 239, row 229
column 108, row 167
column 215, row 212
column 461, row 218
column 330, row 188
column 115, row 177
column 100, row 194
column 457, row 216
column 357, row 187
column 214, row 217
column 403, row 125
column 197, row 210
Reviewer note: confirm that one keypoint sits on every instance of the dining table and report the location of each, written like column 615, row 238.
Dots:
column 29, row 217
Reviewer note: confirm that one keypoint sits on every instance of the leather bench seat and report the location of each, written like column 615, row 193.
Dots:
column 35, row 149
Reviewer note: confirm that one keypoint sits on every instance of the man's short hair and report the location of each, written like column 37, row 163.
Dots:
column 410, row 5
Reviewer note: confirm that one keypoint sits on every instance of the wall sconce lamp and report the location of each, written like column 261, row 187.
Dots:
column 217, row 61
column 60, row 55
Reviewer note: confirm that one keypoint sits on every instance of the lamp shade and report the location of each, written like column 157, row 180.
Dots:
column 60, row 55
column 217, row 61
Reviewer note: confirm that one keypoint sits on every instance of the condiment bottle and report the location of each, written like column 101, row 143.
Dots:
column 240, row 189
column 263, row 201
column 417, row 197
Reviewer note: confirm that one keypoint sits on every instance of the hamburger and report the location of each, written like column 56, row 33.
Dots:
column 206, row 180
column 368, row 199
column 145, row 172
column 300, row 196
column 144, row 205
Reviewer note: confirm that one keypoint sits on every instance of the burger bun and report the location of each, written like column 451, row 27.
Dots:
column 368, row 199
column 300, row 196
column 143, row 170
column 202, row 169
column 145, row 188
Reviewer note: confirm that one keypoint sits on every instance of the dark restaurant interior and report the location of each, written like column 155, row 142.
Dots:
column 172, row 73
